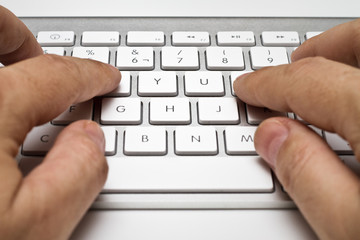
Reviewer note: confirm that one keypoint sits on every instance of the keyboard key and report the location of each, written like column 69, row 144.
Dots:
column 195, row 141
column 110, row 135
column 233, row 77
column 240, row 140
column 139, row 58
column 255, row 115
column 189, row 174
column 218, row 111
column 145, row 141
column 177, row 58
column 204, row 83
column 225, row 58
column 268, row 56
column 100, row 38
column 309, row 35
column 56, row 38
column 40, row 139
column 284, row 39
column 337, row 143
column 124, row 88
column 157, row 83
column 241, row 38
column 100, row 54
column 145, row 38
column 120, row 111
column 190, row 39
column 54, row 50
column 80, row 111
column 170, row 111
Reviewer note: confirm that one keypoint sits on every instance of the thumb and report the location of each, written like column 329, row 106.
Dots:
column 59, row 191
column 323, row 188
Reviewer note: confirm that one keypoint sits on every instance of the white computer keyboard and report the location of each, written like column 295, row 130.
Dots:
column 174, row 124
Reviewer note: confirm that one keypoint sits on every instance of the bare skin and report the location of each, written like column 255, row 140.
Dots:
column 322, row 86
column 51, row 200
column 47, row 204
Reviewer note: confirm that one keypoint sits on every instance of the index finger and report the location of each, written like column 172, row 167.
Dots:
column 36, row 90
column 322, row 92
column 16, row 40
column 341, row 43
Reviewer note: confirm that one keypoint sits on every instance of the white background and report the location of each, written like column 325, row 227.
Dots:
column 292, row 8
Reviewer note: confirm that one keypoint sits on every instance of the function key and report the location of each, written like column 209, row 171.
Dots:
column 101, row 38
column 284, row 39
column 56, row 38
column 145, row 38
column 191, row 39
column 241, row 38
column 309, row 35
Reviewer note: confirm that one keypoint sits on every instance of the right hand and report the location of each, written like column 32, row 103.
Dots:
column 322, row 86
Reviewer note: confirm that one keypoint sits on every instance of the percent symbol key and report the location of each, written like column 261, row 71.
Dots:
column 100, row 54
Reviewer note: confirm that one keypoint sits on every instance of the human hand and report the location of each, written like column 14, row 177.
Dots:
column 322, row 86
column 50, row 201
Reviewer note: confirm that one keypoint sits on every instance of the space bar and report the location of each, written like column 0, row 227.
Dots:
column 188, row 174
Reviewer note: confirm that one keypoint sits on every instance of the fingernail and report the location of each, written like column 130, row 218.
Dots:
column 96, row 134
column 269, row 138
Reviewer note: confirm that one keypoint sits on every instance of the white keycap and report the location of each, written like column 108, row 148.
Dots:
column 225, row 58
column 189, row 174
column 135, row 58
column 241, row 38
column 145, row 38
column 100, row 38
column 177, row 58
column 100, row 54
column 204, row 83
column 284, row 39
column 234, row 76
column 54, row 50
column 110, row 135
column 124, row 88
column 190, row 39
column 120, row 111
column 195, row 140
column 169, row 111
column 1, row 65
column 40, row 139
column 268, row 56
column 157, row 83
column 309, row 35
column 255, row 115
column 337, row 143
column 240, row 140
column 218, row 111
column 145, row 141
column 56, row 38
column 80, row 111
